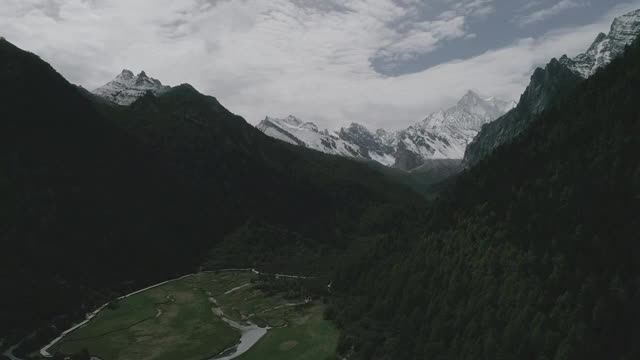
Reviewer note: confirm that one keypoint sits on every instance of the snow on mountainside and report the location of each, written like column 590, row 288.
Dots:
column 442, row 135
column 471, row 112
column 306, row 134
column 446, row 134
column 127, row 87
column 606, row 47
column 355, row 141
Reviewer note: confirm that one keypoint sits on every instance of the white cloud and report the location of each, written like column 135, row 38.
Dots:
column 479, row 8
column 546, row 13
column 279, row 57
column 423, row 38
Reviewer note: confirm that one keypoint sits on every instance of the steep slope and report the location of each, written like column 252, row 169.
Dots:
column 99, row 199
column 438, row 168
column 429, row 179
column 545, row 87
column 370, row 145
column 127, row 88
column 624, row 30
column 532, row 254
column 559, row 77
column 78, row 196
column 306, row 134
column 442, row 135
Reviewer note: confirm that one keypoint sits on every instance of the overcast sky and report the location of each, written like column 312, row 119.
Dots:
column 383, row 63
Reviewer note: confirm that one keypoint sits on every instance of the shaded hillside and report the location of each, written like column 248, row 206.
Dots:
column 533, row 254
column 547, row 86
column 436, row 170
column 100, row 199
column 428, row 180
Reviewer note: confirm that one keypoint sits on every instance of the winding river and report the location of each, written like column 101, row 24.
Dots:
column 249, row 333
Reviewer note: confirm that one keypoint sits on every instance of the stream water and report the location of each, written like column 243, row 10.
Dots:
column 250, row 334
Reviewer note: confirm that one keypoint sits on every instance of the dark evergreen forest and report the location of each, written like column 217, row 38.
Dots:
column 532, row 254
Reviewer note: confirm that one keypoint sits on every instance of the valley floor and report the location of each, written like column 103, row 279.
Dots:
column 219, row 315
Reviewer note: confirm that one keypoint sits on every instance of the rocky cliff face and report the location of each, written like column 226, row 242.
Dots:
column 606, row 47
column 557, row 78
column 545, row 85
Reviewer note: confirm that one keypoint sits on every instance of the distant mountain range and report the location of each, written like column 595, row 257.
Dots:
column 468, row 131
column 558, row 77
column 442, row 135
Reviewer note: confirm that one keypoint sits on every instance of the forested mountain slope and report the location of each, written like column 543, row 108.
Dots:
column 533, row 254
column 98, row 199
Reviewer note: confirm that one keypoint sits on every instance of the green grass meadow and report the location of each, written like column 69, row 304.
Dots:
column 175, row 321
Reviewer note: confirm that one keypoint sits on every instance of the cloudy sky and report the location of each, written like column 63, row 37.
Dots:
column 383, row 63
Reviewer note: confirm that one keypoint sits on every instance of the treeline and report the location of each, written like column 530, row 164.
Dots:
column 532, row 254
column 293, row 288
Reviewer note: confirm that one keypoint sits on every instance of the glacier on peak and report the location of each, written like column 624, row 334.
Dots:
column 441, row 135
column 606, row 47
column 126, row 88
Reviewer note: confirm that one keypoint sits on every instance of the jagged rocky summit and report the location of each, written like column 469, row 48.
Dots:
column 442, row 135
column 558, row 77
column 606, row 47
column 126, row 88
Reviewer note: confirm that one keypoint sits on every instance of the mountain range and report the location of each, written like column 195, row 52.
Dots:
column 441, row 135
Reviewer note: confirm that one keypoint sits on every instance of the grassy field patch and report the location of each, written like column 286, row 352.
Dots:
column 307, row 337
column 178, row 321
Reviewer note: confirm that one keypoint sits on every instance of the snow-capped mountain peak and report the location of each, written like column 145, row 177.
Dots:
column 477, row 104
column 470, row 98
column 125, row 75
column 306, row 134
column 470, row 113
column 293, row 123
column 606, row 47
column 442, row 135
column 126, row 88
